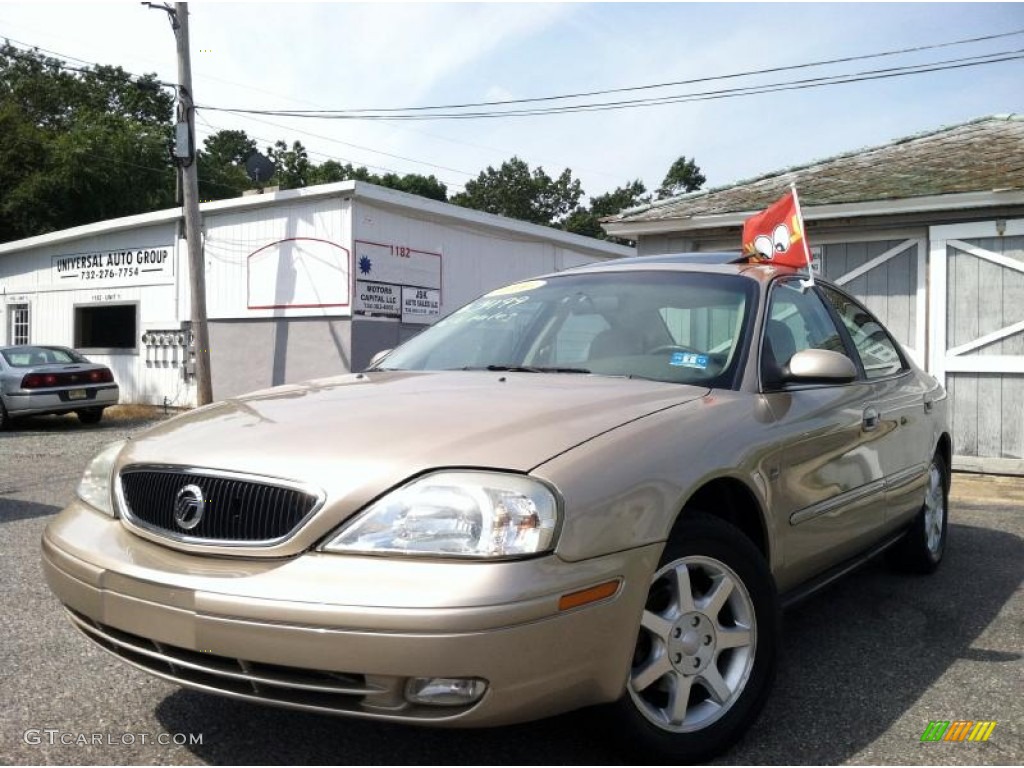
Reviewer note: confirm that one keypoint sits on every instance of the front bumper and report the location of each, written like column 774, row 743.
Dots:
column 58, row 401
column 343, row 634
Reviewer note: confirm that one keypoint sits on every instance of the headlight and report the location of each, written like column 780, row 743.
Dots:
column 456, row 514
column 94, row 487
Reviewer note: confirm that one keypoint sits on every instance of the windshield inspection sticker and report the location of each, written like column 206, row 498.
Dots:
column 689, row 360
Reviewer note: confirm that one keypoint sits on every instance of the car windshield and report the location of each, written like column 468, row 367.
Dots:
column 26, row 357
column 668, row 326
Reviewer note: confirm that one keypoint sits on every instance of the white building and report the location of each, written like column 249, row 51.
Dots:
column 300, row 284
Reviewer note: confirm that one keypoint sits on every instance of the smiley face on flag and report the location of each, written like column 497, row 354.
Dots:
column 766, row 247
column 776, row 234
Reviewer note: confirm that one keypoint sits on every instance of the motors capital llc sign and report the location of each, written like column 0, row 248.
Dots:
column 377, row 299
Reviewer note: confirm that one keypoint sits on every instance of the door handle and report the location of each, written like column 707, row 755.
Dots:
column 927, row 406
column 871, row 420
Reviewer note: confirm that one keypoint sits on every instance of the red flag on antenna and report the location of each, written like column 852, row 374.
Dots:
column 776, row 234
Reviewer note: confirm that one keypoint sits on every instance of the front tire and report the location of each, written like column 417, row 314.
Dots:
column 921, row 550
column 706, row 648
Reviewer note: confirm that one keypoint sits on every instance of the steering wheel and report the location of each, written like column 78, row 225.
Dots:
column 672, row 348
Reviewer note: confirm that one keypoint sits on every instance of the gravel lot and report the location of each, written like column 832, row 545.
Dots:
column 866, row 664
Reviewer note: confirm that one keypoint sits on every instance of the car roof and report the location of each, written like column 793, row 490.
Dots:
column 712, row 262
column 12, row 347
column 697, row 257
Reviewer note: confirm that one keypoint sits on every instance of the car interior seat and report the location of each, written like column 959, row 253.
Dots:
column 779, row 347
column 615, row 342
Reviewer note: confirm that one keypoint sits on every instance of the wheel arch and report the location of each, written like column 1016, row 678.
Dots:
column 733, row 501
column 944, row 448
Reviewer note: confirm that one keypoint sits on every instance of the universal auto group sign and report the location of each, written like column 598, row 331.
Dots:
column 134, row 266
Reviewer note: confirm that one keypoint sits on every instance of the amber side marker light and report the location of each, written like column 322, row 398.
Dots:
column 589, row 595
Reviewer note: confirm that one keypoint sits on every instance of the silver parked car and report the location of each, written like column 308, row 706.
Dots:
column 37, row 380
column 594, row 488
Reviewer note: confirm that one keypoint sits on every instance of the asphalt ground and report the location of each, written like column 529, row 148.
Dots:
column 866, row 664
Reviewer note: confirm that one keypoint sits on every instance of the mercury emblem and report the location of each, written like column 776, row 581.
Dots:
column 189, row 507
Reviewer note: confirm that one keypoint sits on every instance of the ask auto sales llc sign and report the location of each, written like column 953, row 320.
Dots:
column 135, row 266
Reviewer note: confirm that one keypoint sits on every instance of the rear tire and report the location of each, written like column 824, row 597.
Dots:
column 921, row 550
column 5, row 420
column 706, row 648
column 90, row 415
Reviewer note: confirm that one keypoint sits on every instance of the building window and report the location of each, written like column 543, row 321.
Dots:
column 106, row 327
column 19, row 324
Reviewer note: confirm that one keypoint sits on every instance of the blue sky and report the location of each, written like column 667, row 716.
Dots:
column 298, row 55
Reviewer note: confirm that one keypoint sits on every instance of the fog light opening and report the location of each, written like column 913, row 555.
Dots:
column 444, row 691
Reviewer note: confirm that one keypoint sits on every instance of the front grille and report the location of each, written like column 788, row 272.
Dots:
column 235, row 509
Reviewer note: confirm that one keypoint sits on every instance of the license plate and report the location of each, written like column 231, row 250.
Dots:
column 76, row 394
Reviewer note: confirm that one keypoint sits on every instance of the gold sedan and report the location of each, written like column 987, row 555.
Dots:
column 593, row 488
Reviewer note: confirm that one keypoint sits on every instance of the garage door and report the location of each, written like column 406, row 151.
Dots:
column 977, row 339
column 888, row 277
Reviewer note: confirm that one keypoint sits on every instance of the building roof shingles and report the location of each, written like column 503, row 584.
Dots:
column 978, row 156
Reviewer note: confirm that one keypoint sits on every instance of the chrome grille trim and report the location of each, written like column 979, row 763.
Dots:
column 259, row 494
column 290, row 687
column 180, row 661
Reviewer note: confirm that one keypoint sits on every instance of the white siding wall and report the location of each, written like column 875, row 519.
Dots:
column 475, row 259
column 28, row 277
column 244, row 268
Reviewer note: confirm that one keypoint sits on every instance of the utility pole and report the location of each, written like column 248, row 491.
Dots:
column 186, row 158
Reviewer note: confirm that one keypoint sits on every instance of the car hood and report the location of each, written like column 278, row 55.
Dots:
column 372, row 431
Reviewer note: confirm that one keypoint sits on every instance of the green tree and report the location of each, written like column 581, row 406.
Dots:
column 683, row 176
column 425, row 186
column 331, row 171
column 79, row 146
column 292, row 165
column 229, row 147
column 514, row 190
column 587, row 221
column 222, row 171
column 415, row 184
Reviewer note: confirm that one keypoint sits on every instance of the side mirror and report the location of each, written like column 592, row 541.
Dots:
column 819, row 366
column 378, row 358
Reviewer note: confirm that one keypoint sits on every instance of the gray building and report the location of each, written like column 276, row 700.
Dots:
column 928, row 231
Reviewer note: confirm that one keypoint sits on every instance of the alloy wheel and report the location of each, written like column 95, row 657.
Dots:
column 934, row 510
column 696, row 646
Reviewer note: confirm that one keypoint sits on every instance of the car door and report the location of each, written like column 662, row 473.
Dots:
column 898, row 397
column 825, row 472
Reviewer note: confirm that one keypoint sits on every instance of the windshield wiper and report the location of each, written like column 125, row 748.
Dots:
column 528, row 369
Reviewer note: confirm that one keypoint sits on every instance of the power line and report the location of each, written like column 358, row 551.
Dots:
column 819, row 82
column 449, row 184
column 65, row 67
column 652, row 86
column 357, row 146
column 815, row 82
column 206, row 181
column 294, row 130
column 350, row 161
